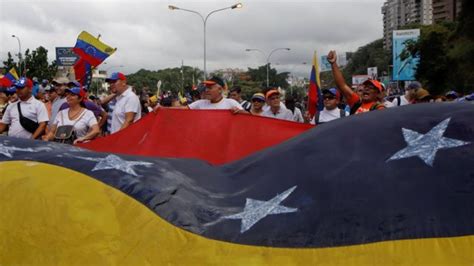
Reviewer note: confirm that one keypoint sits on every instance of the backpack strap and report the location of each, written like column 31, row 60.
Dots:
column 342, row 113
column 376, row 106
column 355, row 107
column 399, row 101
column 316, row 118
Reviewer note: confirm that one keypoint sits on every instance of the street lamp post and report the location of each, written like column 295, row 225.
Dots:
column 204, row 20
column 268, row 58
column 19, row 54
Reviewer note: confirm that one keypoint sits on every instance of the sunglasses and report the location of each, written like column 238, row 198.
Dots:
column 258, row 101
column 329, row 97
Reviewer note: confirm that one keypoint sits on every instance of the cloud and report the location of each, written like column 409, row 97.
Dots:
column 149, row 35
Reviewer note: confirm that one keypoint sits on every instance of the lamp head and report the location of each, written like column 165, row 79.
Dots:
column 171, row 7
column 238, row 5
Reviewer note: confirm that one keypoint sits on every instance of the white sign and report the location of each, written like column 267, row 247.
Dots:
column 372, row 72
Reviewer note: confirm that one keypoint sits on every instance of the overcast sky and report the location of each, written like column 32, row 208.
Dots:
column 149, row 35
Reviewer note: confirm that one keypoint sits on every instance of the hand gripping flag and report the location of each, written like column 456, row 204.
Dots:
column 400, row 193
column 9, row 78
column 315, row 98
column 92, row 52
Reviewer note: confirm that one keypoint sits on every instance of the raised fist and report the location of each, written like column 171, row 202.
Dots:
column 332, row 57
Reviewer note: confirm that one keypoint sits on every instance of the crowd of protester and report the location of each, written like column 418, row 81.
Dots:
column 62, row 110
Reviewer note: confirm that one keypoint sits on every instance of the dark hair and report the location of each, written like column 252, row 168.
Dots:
column 236, row 89
column 290, row 103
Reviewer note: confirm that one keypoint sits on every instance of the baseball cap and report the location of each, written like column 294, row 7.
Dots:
column 374, row 83
column 11, row 90
column 333, row 91
column 414, row 85
column 116, row 76
column 60, row 81
column 76, row 91
column 271, row 92
column 74, row 83
column 23, row 82
column 214, row 80
column 258, row 96
column 452, row 94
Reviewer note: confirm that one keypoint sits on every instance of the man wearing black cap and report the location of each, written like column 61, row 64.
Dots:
column 213, row 99
column 27, row 117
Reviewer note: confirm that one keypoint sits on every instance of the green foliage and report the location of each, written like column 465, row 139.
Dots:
column 172, row 79
column 370, row 55
column 36, row 64
column 275, row 79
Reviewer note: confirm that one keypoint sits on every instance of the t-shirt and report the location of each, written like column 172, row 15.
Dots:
column 364, row 107
column 224, row 104
column 82, row 123
column 127, row 102
column 55, row 105
column 403, row 101
column 297, row 115
column 283, row 114
column 328, row 115
column 32, row 109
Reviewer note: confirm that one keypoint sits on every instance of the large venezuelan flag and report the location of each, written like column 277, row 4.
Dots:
column 315, row 98
column 91, row 49
column 9, row 78
column 320, row 198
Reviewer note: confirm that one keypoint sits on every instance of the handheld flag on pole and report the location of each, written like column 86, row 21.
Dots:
column 91, row 49
column 92, row 52
column 9, row 78
column 315, row 99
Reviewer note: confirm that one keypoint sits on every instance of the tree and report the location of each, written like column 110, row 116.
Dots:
column 276, row 79
column 36, row 63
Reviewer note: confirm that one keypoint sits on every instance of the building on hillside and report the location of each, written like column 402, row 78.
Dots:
column 399, row 13
column 446, row 10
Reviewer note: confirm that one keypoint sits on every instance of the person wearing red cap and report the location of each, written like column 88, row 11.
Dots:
column 127, row 109
column 27, row 118
column 275, row 110
column 214, row 100
column 370, row 91
column 84, row 122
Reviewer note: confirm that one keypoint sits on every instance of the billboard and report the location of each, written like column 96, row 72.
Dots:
column 359, row 79
column 404, row 69
column 65, row 56
column 372, row 72
column 324, row 65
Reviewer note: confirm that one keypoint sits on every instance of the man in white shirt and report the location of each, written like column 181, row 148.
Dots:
column 60, row 86
column 331, row 99
column 127, row 109
column 275, row 110
column 31, row 109
column 214, row 100
column 410, row 95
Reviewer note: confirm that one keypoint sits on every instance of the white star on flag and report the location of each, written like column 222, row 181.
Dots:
column 255, row 210
column 426, row 145
column 116, row 163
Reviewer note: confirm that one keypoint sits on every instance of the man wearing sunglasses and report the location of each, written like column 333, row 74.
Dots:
column 27, row 108
column 367, row 100
column 331, row 99
column 258, row 101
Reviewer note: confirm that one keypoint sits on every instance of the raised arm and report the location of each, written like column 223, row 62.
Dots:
column 341, row 84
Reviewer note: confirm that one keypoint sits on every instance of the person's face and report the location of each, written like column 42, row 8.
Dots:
column 257, row 104
column 370, row 93
column 360, row 90
column 52, row 94
column 330, row 101
column 3, row 97
column 213, row 93
column 13, row 98
column 23, row 93
column 118, row 86
column 274, row 100
column 73, row 99
column 411, row 93
column 234, row 95
column 60, row 89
